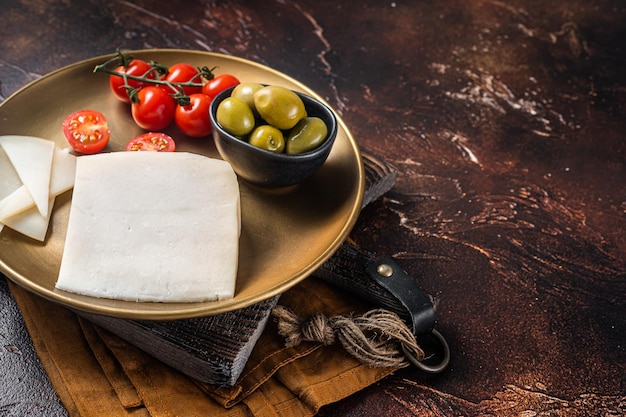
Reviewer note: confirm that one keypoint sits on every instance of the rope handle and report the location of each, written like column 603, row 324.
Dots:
column 378, row 338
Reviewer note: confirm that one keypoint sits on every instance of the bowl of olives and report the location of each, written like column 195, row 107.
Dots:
column 272, row 136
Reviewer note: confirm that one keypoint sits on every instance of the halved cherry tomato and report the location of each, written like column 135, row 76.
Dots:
column 182, row 73
column 136, row 67
column 193, row 120
column 218, row 84
column 152, row 141
column 154, row 109
column 86, row 131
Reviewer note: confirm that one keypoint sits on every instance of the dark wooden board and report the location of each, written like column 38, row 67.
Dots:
column 215, row 349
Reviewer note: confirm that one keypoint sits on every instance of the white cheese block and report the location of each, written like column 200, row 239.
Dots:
column 32, row 159
column 152, row 226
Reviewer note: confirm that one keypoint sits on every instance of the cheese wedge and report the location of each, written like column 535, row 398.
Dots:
column 32, row 159
column 9, row 180
column 17, row 202
column 61, row 180
column 152, row 226
column 31, row 223
column 62, row 172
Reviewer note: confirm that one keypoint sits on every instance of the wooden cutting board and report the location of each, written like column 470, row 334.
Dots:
column 215, row 349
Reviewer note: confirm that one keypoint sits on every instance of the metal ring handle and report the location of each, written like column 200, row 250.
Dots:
column 434, row 369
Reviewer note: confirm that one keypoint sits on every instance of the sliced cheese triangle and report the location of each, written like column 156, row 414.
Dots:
column 9, row 180
column 62, row 172
column 61, row 179
column 31, row 223
column 17, row 202
column 152, row 226
column 32, row 159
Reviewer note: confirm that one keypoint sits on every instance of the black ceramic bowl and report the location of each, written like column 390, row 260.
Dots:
column 270, row 169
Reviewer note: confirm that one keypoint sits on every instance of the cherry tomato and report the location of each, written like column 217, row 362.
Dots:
column 152, row 141
column 86, row 131
column 182, row 73
column 218, row 84
column 154, row 109
column 136, row 67
column 193, row 120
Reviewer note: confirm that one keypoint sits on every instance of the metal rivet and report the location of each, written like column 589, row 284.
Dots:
column 384, row 270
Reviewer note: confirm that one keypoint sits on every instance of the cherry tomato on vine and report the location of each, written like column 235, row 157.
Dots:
column 154, row 109
column 218, row 84
column 86, row 131
column 193, row 120
column 152, row 141
column 136, row 67
column 182, row 73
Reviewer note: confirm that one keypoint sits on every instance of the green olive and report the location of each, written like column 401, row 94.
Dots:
column 279, row 106
column 235, row 116
column 268, row 137
column 245, row 92
column 307, row 134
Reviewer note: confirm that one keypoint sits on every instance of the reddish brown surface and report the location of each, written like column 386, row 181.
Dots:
column 506, row 121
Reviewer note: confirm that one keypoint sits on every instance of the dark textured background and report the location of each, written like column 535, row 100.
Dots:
column 506, row 121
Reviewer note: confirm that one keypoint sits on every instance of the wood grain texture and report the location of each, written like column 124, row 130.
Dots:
column 211, row 349
column 505, row 122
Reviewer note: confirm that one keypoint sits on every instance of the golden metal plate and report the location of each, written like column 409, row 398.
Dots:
column 285, row 235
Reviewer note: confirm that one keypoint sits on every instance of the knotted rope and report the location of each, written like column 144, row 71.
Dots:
column 377, row 338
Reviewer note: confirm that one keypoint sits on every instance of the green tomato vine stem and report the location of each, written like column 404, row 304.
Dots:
column 177, row 87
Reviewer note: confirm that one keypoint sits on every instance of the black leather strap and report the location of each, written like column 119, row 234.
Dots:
column 418, row 304
column 385, row 283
